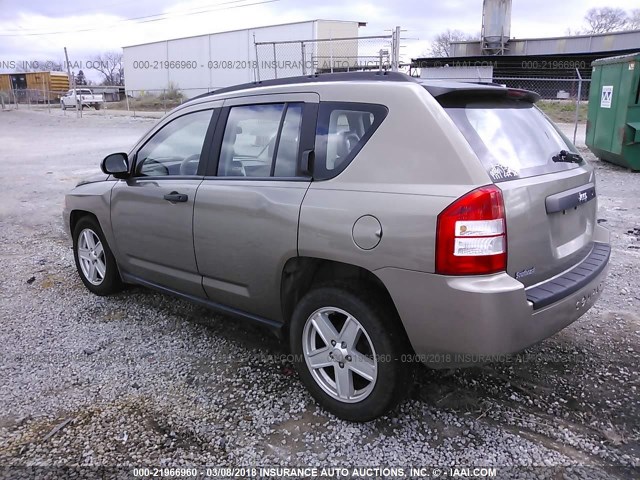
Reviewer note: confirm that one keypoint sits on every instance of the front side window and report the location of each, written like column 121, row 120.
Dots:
column 176, row 148
column 261, row 141
column 342, row 130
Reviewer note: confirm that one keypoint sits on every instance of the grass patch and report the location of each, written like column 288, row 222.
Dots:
column 147, row 103
column 152, row 102
column 564, row 111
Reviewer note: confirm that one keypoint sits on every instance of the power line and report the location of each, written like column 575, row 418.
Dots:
column 76, row 11
column 146, row 19
column 194, row 10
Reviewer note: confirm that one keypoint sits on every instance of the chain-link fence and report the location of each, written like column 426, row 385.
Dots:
column 29, row 96
column 569, row 88
column 564, row 100
column 112, row 99
column 310, row 57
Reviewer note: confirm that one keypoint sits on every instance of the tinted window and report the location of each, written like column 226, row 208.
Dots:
column 512, row 139
column 176, row 148
column 289, row 144
column 256, row 136
column 343, row 129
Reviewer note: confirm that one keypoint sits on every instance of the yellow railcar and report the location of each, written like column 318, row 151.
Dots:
column 35, row 86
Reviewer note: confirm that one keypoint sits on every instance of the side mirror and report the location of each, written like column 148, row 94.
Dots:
column 116, row 164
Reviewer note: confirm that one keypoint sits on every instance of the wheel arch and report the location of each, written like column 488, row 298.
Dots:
column 301, row 274
column 77, row 214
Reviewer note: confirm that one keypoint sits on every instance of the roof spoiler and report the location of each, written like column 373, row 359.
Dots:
column 475, row 90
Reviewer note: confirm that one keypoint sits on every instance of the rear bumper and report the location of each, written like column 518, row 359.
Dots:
column 462, row 320
column 571, row 281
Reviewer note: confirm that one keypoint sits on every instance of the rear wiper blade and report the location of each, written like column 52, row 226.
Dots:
column 566, row 156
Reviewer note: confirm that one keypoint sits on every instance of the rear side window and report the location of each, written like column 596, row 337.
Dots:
column 343, row 129
column 287, row 154
column 512, row 139
column 261, row 141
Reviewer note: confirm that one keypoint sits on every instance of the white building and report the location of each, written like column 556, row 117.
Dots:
column 464, row 74
column 195, row 65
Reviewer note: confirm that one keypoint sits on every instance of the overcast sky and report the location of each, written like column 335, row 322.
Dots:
column 39, row 29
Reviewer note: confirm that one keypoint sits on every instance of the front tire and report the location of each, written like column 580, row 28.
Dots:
column 347, row 347
column 62, row 105
column 95, row 263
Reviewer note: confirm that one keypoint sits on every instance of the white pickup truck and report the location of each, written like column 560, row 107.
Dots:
column 85, row 98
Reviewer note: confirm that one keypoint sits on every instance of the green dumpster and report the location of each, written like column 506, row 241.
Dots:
column 613, row 123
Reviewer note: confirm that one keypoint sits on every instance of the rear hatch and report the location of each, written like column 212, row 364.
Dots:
column 548, row 189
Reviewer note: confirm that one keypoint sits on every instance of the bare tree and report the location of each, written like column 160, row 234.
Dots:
column 440, row 47
column 634, row 19
column 606, row 19
column 109, row 64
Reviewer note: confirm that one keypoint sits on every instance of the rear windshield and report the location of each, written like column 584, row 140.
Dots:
column 512, row 139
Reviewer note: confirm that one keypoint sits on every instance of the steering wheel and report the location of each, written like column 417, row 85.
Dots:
column 151, row 167
column 189, row 165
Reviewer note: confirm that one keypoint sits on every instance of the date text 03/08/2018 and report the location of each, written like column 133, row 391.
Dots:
column 247, row 64
column 317, row 472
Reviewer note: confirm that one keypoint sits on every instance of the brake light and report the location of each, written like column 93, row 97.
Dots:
column 516, row 93
column 471, row 236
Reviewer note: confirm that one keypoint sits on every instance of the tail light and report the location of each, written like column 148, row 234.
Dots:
column 471, row 236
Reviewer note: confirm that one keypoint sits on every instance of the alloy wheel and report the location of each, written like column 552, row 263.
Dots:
column 91, row 257
column 339, row 354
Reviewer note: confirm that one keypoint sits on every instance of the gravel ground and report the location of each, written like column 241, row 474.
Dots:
column 144, row 379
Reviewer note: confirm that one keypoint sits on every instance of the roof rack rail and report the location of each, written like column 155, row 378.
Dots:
column 322, row 77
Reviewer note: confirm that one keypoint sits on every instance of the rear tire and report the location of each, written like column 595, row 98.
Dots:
column 95, row 263
column 62, row 105
column 98, row 106
column 355, row 369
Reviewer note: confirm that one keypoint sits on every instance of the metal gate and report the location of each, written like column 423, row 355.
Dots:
column 309, row 57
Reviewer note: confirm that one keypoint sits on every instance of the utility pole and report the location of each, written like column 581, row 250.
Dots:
column 72, row 79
